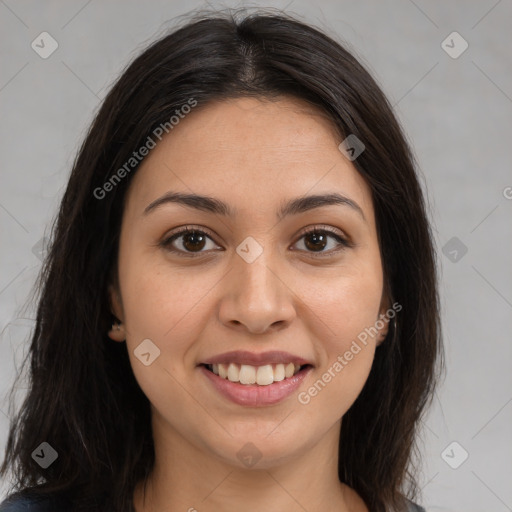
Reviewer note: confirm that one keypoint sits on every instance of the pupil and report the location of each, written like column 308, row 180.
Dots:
column 319, row 237
column 197, row 241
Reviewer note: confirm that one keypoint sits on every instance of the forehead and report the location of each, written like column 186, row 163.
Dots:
column 250, row 153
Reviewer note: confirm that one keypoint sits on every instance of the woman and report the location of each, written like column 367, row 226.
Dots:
column 239, row 306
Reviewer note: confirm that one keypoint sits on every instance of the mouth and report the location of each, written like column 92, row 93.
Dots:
column 255, row 380
column 251, row 375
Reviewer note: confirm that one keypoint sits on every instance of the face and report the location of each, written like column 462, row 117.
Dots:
column 253, row 287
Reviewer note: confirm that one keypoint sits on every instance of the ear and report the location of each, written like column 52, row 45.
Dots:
column 117, row 332
column 383, row 320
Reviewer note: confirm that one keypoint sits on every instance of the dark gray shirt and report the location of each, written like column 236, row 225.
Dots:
column 25, row 503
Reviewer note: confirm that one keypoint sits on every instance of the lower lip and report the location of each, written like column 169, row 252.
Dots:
column 253, row 395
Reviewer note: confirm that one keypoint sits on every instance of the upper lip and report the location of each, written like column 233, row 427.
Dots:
column 256, row 359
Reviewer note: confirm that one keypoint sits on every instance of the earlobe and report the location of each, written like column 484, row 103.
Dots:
column 382, row 325
column 383, row 321
column 382, row 336
column 117, row 332
column 116, row 307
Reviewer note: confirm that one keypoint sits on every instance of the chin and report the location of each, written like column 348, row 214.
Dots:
column 262, row 449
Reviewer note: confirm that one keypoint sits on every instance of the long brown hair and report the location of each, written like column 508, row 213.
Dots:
column 83, row 398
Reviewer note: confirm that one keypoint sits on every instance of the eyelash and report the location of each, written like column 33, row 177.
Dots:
column 344, row 243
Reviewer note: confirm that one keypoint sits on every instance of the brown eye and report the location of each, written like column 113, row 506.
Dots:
column 194, row 241
column 316, row 240
column 187, row 242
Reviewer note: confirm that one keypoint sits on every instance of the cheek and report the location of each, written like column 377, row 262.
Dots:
column 342, row 306
column 343, row 324
column 160, row 302
column 167, row 314
column 169, row 309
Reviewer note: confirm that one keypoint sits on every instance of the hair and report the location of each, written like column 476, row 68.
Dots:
column 83, row 398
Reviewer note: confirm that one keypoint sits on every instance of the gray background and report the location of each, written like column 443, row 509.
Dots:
column 456, row 111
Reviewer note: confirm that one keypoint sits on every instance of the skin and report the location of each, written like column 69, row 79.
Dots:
column 252, row 154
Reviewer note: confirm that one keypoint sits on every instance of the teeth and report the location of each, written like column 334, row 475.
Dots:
column 233, row 372
column 279, row 373
column 223, row 372
column 261, row 375
column 264, row 375
column 247, row 374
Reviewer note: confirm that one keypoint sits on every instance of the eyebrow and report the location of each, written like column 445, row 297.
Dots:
column 291, row 207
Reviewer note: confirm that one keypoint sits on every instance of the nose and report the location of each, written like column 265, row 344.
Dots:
column 256, row 297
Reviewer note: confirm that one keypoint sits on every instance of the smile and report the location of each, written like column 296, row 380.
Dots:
column 260, row 375
column 254, row 394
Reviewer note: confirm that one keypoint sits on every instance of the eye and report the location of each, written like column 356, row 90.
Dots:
column 317, row 239
column 189, row 241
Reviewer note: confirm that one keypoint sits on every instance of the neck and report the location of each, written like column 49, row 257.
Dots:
column 187, row 478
